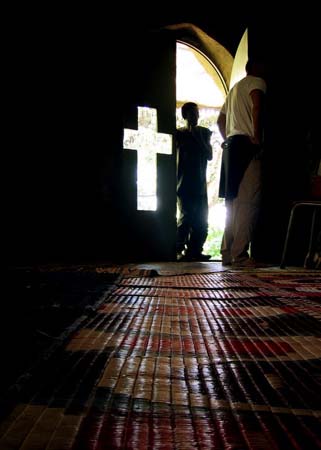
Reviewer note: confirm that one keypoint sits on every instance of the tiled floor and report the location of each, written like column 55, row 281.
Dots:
column 180, row 357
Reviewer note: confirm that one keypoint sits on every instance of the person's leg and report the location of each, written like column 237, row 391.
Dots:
column 199, row 225
column 246, row 209
column 227, row 238
column 183, row 225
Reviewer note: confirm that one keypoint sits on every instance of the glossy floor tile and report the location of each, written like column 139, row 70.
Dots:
column 208, row 359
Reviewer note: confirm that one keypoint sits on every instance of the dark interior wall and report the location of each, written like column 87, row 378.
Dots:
column 289, row 45
column 65, row 123
column 67, row 72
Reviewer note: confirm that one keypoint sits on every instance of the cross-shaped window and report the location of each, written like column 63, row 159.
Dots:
column 148, row 142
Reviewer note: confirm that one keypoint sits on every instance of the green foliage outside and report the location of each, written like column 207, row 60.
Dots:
column 213, row 242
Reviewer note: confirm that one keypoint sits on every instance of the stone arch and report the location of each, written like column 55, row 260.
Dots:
column 218, row 55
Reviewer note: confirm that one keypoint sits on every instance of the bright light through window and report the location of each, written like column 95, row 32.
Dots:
column 148, row 142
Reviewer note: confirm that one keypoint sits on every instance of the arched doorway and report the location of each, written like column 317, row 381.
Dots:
column 204, row 73
column 149, row 119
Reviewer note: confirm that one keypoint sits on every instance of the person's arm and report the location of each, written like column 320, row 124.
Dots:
column 208, row 145
column 221, row 123
column 203, row 136
column 257, row 97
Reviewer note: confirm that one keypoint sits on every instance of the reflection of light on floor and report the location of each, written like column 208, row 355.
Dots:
column 216, row 216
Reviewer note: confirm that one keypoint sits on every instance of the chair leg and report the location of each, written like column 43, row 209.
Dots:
column 282, row 264
column 308, row 263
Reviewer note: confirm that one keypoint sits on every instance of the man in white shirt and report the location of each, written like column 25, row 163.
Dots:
column 241, row 125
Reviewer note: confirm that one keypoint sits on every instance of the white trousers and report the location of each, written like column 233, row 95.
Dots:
column 241, row 215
